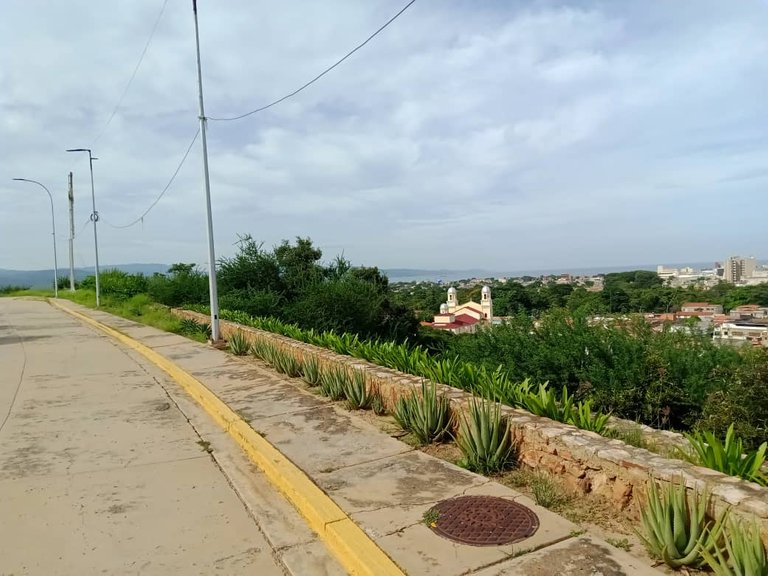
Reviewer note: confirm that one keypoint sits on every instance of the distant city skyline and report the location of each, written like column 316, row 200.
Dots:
column 494, row 135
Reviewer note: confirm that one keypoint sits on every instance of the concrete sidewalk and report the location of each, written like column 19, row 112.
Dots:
column 384, row 485
column 101, row 470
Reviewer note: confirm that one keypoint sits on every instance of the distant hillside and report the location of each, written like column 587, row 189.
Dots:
column 44, row 278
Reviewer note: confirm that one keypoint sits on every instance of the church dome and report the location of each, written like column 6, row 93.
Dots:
column 486, row 290
column 443, row 308
column 451, row 290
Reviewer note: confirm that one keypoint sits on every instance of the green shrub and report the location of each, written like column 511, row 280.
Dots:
column 357, row 392
column 583, row 417
column 485, row 438
column 741, row 552
column 675, row 527
column 545, row 403
column 311, row 372
column 333, row 381
column 239, row 344
column 426, row 415
column 727, row 457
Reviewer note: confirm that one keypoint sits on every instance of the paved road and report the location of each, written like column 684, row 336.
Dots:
column 100, row 470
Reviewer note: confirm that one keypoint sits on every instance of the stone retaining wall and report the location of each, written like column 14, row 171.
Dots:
column 585, row 462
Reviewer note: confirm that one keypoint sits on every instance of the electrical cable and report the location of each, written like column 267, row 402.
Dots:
column 133, row 75
column 323, row 73
column 162, row 193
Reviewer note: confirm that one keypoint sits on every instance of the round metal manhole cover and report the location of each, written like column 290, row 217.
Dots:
column 482, row 520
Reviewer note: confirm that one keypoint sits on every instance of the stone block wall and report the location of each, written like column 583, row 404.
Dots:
column 585, row 462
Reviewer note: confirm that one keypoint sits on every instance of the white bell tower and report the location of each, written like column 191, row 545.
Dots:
column 486, row 303
column 452, row 303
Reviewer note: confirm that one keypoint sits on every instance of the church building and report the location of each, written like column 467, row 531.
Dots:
column 462, row 318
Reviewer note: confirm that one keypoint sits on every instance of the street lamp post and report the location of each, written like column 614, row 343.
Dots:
column 214, row 298
column 53, row 224
column 94, row 218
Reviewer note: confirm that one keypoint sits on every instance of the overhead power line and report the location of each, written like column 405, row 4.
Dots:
column 133, row 75
column 162, row 193
column 323, row 73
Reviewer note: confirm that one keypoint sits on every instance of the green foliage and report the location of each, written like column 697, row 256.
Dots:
column 333, row 382
column 239, row 344
column 583, row 417
column 117, row 283
column 191, row 327
column 183, row 284
column 742, row 401
column 632, row 435
column 485, row 438
column 728, row 456
column 545, row 403
column 675, row 527
column 357, row 392
column 11, row 289
column 741, row 553
column 426, row 415
column 311, row 372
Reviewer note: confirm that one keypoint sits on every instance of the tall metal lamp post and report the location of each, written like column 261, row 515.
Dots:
column 53, row 223
column 215, row 335
column 94, row 218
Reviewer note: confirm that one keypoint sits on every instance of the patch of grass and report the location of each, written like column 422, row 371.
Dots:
column 431, row 517
column 622, row 543
column 632, row 436
column 547, row 492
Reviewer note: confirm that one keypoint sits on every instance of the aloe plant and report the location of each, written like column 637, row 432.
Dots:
column 675, row 527
column 427, row 415
column 357, row 392
column 728, row 456
column 238, row 343
column 311, row 371
column 485, row 438
column 332, row 381
column 741, row 553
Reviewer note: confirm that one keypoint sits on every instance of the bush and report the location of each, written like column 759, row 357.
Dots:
column 485, row 438
column 184, row 284
column 426, row 415
column 728, row 456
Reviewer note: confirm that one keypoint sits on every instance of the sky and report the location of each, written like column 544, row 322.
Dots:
column 502, row 135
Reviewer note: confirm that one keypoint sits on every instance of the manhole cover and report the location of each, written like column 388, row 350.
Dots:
column 482, row 520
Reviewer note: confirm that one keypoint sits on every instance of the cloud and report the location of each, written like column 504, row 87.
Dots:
column 505, row 136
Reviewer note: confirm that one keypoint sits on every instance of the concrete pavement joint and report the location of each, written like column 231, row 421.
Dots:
column 356, row 551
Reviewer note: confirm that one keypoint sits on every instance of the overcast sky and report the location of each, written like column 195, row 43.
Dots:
column 502, row 135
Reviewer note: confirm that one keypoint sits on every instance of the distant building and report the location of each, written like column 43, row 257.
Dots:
column 749, row 311
column 666, row 273
column 700, row 309
column 743, row 332
column 463, row 318
column 738, row 269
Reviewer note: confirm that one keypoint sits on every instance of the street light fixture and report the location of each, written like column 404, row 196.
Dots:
column 94, row 217
column 53, row 223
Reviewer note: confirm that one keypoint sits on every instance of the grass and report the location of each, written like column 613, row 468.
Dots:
column 622, row 543
column 547, row 492
column 430, row 517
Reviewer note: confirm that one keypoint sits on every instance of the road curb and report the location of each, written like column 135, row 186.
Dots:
column 354, row 549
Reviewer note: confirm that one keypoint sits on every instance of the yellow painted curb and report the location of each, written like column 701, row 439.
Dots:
column 346, row 540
